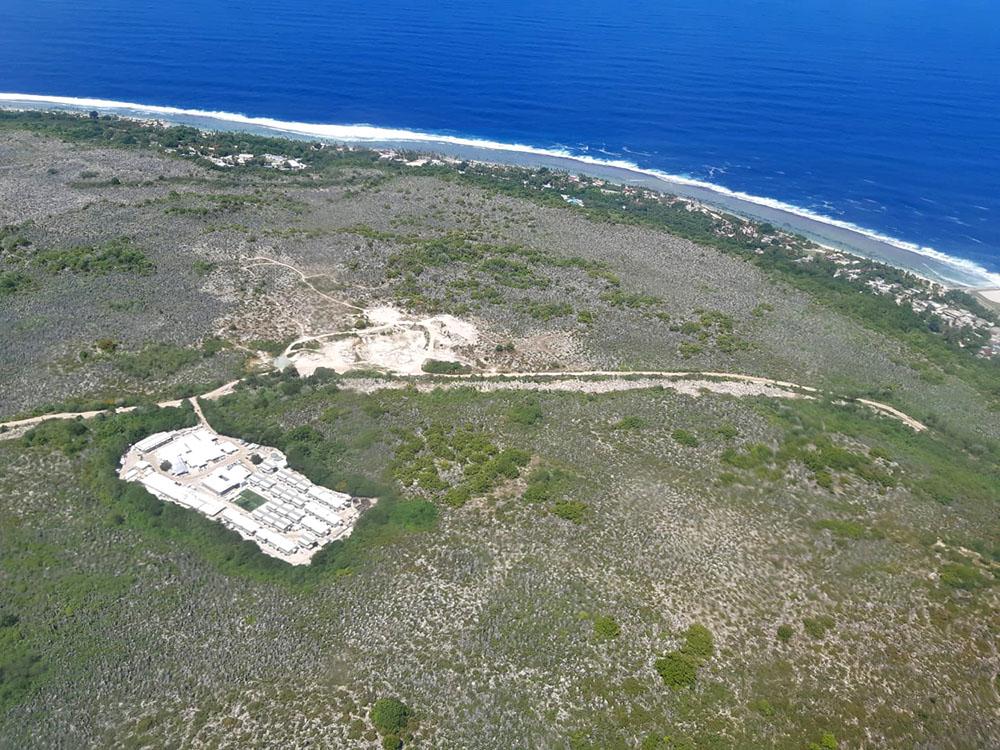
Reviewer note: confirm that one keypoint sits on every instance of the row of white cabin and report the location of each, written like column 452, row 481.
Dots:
column 293, row 503
column 292, row 500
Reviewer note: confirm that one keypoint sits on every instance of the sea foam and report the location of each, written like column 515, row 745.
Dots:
column 372, row 134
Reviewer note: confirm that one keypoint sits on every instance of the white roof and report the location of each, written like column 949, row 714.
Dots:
column 153, row 441
column 221, row 481
column 212, row 507
column 276, row 540
column 323, row 512
column 240, row 520
column 164, row 486
column 314, row 524
column 201, row 450
column 178, row 466
column 336, row 499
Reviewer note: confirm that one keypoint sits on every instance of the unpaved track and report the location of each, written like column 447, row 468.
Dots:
column 16, row 426
column 263, row 260
column 613, row 380
column 557, row 380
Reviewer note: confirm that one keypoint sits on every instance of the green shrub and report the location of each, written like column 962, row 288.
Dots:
column 546, row 311
column 571, row 510
column 824, row 479
column 203, row 267
column 117, row 255
column 67, row 435
column 843, row 529
column 272, row 347
column 698, row 642
column 606, row 627
column 13, row 282
column 961, row 576
column 457, row 496
column 727, row 478
column 727, row 431
column 526, row 413
column 390, row 716
column 157, row 361
column 11, row 238
column 827, row 741
column 785, row 633
column 728, row 343
column 816, row 627
column 629, row 423
column 545, row 485
column 685, row 438
column 677, row 670
column 513, row 273
column 442, row 367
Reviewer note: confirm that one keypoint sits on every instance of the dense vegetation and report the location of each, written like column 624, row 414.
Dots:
column 118, row 255
column 103, row 441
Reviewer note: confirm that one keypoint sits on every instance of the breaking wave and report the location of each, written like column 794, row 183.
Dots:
column 371, row 134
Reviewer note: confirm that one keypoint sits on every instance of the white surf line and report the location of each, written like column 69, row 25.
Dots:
column 371, row 134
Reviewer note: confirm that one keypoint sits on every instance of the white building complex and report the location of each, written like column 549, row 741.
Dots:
column 246, row 487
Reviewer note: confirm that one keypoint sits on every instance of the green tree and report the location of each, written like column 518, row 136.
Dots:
column 677, row 669
column 698, row 642
column 390, row 716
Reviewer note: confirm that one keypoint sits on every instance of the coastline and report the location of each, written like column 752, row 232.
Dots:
column 925, row 262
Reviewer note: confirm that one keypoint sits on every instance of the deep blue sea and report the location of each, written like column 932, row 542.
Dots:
column 881, row 113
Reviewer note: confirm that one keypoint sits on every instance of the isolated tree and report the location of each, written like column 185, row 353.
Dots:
column 390, row 716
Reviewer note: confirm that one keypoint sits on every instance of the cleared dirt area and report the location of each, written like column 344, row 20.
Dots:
column 394, row 342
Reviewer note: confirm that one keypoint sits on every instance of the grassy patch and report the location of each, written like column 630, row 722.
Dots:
column 250, row 500
column 685, row 438
column 157, row 361
column 575, row 511
column 15, row 282
column 114, row 256
column 606, row 627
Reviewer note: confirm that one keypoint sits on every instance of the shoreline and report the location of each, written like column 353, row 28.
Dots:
column 925, row 262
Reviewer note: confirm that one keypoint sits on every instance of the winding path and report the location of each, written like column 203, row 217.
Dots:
column 551, row 381
column 492, row 380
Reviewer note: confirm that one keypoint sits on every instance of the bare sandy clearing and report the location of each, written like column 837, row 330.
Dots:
column 693, row 388
column 396, row 343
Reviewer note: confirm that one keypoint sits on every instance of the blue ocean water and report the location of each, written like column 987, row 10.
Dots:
column 881, row 113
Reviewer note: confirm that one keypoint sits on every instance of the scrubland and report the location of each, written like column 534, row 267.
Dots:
column 636, row 569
